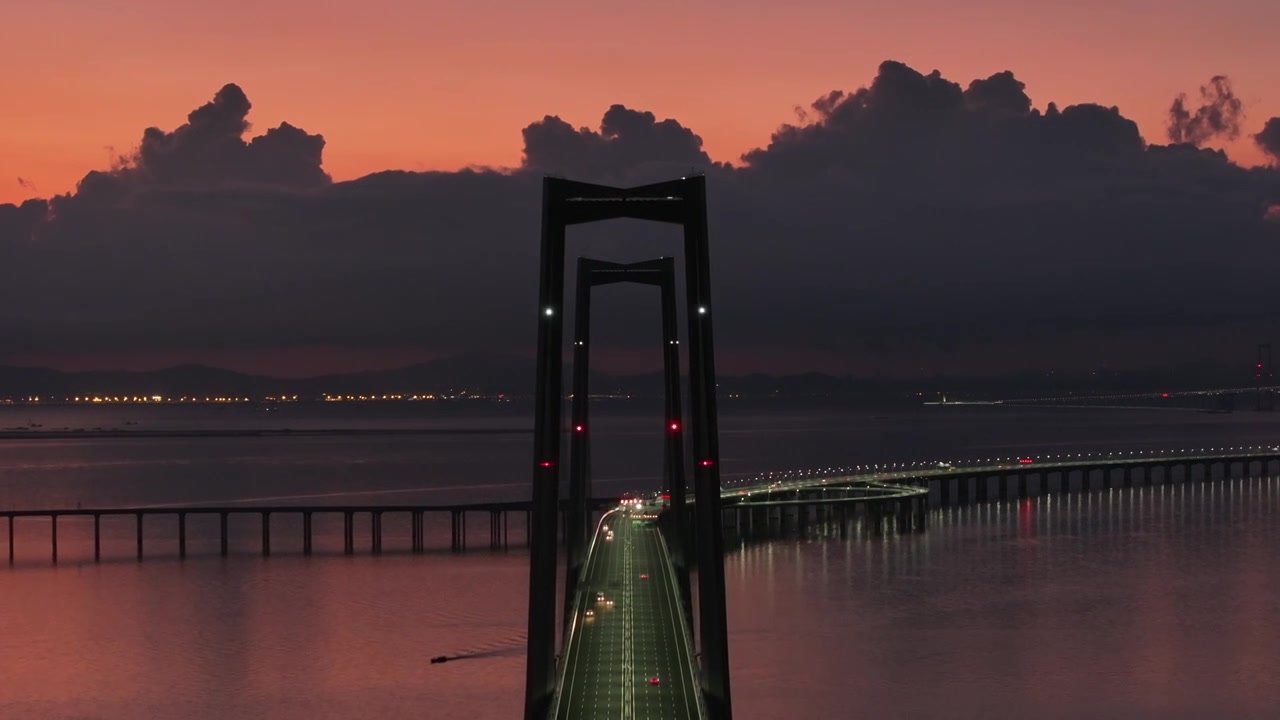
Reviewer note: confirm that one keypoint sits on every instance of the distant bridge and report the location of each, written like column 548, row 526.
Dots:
column 1224, row 399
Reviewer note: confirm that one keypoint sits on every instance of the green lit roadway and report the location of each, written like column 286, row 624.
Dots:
column 633, row 636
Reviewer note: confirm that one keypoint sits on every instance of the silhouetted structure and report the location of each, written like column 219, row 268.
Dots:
column 565, row 203
column 591, row 273
column 1263, row 378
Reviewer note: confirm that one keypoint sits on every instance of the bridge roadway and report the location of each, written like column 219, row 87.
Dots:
column 912, row 478
column 613, row 655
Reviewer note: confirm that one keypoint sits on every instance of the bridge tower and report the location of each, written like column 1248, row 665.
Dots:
column 1262, row 378
column 681, row 202
column 592, row 273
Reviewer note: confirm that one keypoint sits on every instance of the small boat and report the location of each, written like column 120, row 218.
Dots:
column 439, row 659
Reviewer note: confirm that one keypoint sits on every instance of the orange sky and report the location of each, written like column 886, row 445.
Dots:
column 438, row 85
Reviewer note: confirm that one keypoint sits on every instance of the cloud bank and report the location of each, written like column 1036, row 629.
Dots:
column 911, row 224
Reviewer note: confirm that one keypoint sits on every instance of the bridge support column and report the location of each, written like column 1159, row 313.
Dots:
column 944, row 491
column 348, row 532
column 53, row 530
column 575, row 517
column 138, row 518
column 182, row 535
column 222, row 534
column 266, row 534
column 306, row 533
column 97, row 537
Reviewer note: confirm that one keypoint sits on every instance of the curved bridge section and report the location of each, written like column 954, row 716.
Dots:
column 1013, row 478
column 629, row 651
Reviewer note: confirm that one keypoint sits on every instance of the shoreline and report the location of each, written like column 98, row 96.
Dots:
column 97, row 434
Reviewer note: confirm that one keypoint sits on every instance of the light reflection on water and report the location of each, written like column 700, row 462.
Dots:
column 1147, row 602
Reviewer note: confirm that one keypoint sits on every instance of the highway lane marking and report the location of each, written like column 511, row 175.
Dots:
column 628, row 665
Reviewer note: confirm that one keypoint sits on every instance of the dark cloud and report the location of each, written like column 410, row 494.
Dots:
column 1000, row 94
column 913, row 223
column 1218, row 116
column 628, row 141
column 1269, row 139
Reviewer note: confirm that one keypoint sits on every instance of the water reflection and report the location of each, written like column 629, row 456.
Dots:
column 1155, row 601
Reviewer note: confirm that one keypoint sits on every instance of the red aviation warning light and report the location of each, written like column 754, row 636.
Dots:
column 546, row 464
column 674, row 426
column 578, row 428
column 706, row 463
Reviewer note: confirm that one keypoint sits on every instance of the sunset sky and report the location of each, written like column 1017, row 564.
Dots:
column 442, row 85
column 902, row 207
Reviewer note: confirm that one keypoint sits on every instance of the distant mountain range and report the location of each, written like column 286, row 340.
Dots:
column 513, row 376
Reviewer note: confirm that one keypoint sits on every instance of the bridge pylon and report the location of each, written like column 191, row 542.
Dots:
column 592, row 273
column 681, row 202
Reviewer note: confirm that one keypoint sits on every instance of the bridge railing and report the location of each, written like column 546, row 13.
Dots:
column 686, row 632
column 575, row 622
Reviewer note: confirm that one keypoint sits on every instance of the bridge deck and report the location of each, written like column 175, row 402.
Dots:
column 613, row 655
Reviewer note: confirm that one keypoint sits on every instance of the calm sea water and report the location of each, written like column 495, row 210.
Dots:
column 1153, row 602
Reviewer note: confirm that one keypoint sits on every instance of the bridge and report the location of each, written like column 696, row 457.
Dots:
column 578, row 681
column 630, row 653
column 627, row 641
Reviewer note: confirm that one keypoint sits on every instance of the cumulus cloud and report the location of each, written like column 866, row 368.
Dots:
column 899, row 225
column 628, row 141
column 1218, row 116
column 209, row 151
column 1269, row 139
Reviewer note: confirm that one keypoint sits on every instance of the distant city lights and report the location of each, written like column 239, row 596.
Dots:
column 126, row 399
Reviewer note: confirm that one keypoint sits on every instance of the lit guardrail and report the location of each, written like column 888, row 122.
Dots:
column 562, row 662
